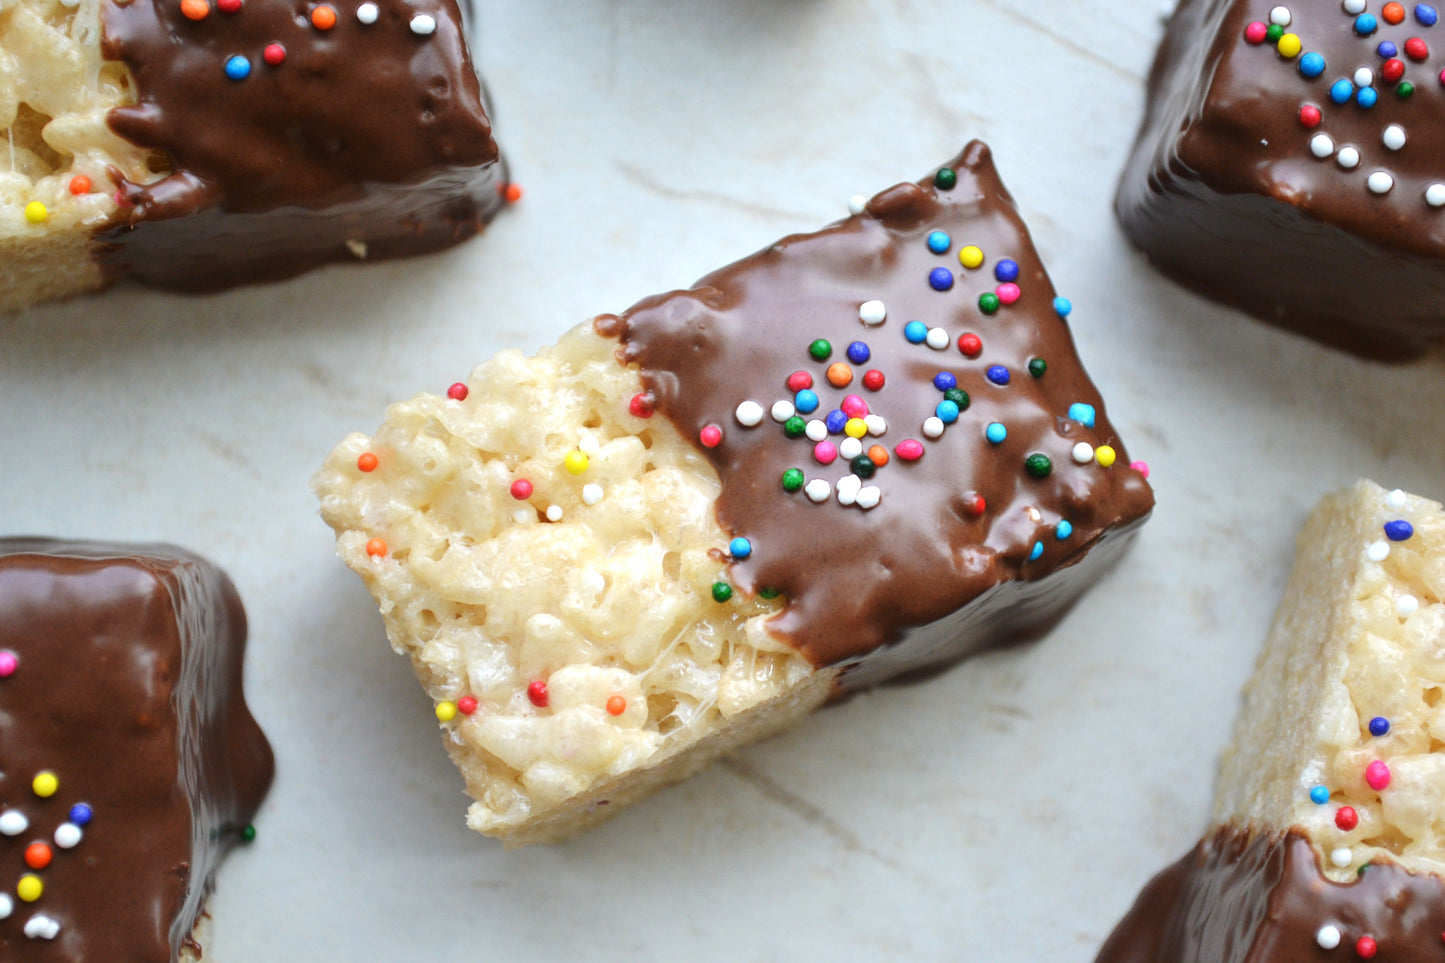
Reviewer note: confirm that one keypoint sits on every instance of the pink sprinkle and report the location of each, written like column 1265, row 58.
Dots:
column 457, row 392
column 1142, row 467
column 521, row 489
column 826, row 452
column 909, row 449
column 710, row 436
column 854, row 407
column 799, row 380
column 1377, row 774
column 1256, row 32
column 1008, row 292
column 9, row 662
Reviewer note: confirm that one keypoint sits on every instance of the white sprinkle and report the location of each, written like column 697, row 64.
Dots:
column 850, row 448
column 875, row 424
column 848, row 487
column 593, row 581
column 41, row 927
column 818, row 489
column 1322, row 146
column 933, row 426
column 554, row 513
column 423, row 25
column 816, row 430
column 1395, row 499
column 7, row 906
column 368, row 12
column 783, row 410
column 869, row 496
column 13, row 822
column 857, row 204
column 1394, row 137
column 591, row 494
column 522, row 516
column 1378, row 551
column 1083, row 453
column 749, row 414
column 1364, row 77
column 1342, row 857
column 1348, row 158
column 1354, row 6
column 589, row 445
column 1279, row 15
column 872, row 313
column 1407, row 605
column 1435, row 195
column 937, row 339
column 67, row 835
column 1328, row 937
column 1380, row 182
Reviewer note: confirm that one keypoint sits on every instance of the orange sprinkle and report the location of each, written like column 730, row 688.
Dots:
column 616, row 706
column 80, row 184
column 376, row 547
column 1393, row 12
column 839, row 374
column 366, row 461
column 37, row 855
column 878, row 455
column 513, row 193
column 323, row 18
column 196, row 9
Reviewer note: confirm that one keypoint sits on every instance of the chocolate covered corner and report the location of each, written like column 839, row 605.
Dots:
column 1288, row 166
column 129, row 762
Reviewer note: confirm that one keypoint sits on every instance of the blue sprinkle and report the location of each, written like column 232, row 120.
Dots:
column 947, row 411
column 997, row 373
column 1426, row 14
column 1366, row 97
column 1038, row 550
column 805, row 401
column 1387, row 49
column 835, row 421
column 939, row 242
column 1006, row 270
column 238, row 68
column 1319, row 795
column 995, row 433
column 1063, row 530
column 1365, row 24
column 940, row 279
column 858, row 353
column 1399, row 530
column 1341, row 91
column 916, row 332
column 81, row 814
column 945, row 381
column 740, row 548
column 1379, row 726
column 1063, row 307
column 1082, row 413
column 1312, row 65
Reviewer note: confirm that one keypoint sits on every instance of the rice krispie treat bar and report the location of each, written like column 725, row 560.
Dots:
column 858, row 453
column 1329, row 824
column 202, row 144
column 129, row 763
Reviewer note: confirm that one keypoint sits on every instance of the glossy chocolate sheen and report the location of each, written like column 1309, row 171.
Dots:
column 1224, row 194
column 920, row 579
column 128, row 688
column 365, row 133
column 1264, row 899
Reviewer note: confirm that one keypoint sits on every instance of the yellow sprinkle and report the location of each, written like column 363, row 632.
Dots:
column 1289, row 46
column 1104, row 455
column 45, row 783
column 36, row 213
column 970, row 257
column 575, row 462
column 446, row 711
column 29, row 888
column 855, row 428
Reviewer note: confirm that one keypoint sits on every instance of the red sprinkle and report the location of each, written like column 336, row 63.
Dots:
column 466, row 705
column 366, row 461
column 512, row 193
column 1393, row 13
column 1346, row 818
column 640, row 405
column 976, row 507
column 521, row 489
column 1392, row 69
column 909, row 449
column 1416, row 49
column 457, row 392
column 228, row 6
column 616, row 705
column 799, row 380
column 274, row 54
column 1256, row 33
column 710, row 436
column 970, row 345
column 37, row 855
column 1366, row 947
column 873, row 379
column 537, row 692
column 80, row 184
column 1309, row 114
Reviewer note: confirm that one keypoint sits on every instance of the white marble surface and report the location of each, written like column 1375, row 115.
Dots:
column 1006, row 811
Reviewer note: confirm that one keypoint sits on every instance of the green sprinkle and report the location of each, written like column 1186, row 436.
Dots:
column 1405, row 89
column 1274, row 32
column 820, row 350
column 721, row 591
column 248, row 834
column 795, row 426
column 958, row 396
column 988, row 302
column 1038, row 465
column 863, row 466
column 792, row 479
column 946, row 179
column 768, row 593
column 1037, row 367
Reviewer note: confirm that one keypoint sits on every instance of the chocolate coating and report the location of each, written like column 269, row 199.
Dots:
column 1238, row 898
column 365, row 133
column 1224, row 194
column 920, row 579
column 128, row 688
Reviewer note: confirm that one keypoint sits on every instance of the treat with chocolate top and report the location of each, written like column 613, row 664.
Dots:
column 129, row 763
column 1328, row 836
column 1289, row 165
column 859, row 453
column 201, row 144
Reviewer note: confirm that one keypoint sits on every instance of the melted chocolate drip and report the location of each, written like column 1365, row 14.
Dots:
column 1224, row 194
column 920, row 579
column 1242, row 898
column 128, row 688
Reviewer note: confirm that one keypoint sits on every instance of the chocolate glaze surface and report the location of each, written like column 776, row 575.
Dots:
column 365, row 133
column 1263, row 898
column 1225, row 195
column 128, row 688
column 921, row 578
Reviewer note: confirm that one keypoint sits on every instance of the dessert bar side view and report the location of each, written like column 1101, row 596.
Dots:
column 858, row 453
column 129, row 762
column 208, row 143
column 1328, row 835
column 1289, row 164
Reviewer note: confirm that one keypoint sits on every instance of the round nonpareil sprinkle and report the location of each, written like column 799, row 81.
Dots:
column 274, row 54
column 368, row 12
column 816, row 430
column 796, row 427
column 872, row 313
column 909, row 449
column 537, row 694
column 970, row 345
column 79, row 185
column 1105, row 455
column 940, row 279
column 1036, row 552
column 1399, row 530
column 849, row 448
column 1346, row 818
column 721, row 592
column 1063, row 307
column 970, row 257
column 995, row 433
column 877, row 425
column 825, row 453
column 457, row 392
column 818, row 490
column 81, row 814
column 366, row 462
column 858, row 352
column 376, row 547
column 1319, row 795
column 946, row 179
column 799, row 380
column 1310, row 116
column 29, row 888
column 13, row 822
column 576, row 462
column 1366, row 947
column 740, row 547
column 1257, row 32
column 1435, row 195
column 67, row 835
column 423, row 25
column 1083, row 453
column 591, row 493
column 806, row 401
column 195, row 9
column 1342, row 856
column 1348, row 158
column 1038, row 465
column 36, row 213
column 446, row 711
column 521, row 489
column 616, row 705
column 821, row 349
column 750, row 414
column 1289, row 46
column 988, row 302
column 782, row 410
column 1038, row 367
column 939, row 242
column 1426, row 14
column 1406, row 606
column 323, row 17
column 1312, row 65
column 1380, row 182
column 9, row 662
column 933, row 427
column 937, row 339
column 1417, row 49
column 1063, row 530
column 711, row 436
column 839, row 375
column 857, row 204
column 1328, row 937
column 873, row 379
column 1393, row 12
column 998, row 374
column 792, row 479
column 553, row 513
column 45, row 784
column 1083, row 413
column 1322, row 146
column 1366, row 97
column 1377, row 775
column 1007, row 293
column 1379, row 726
column 916, row 332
